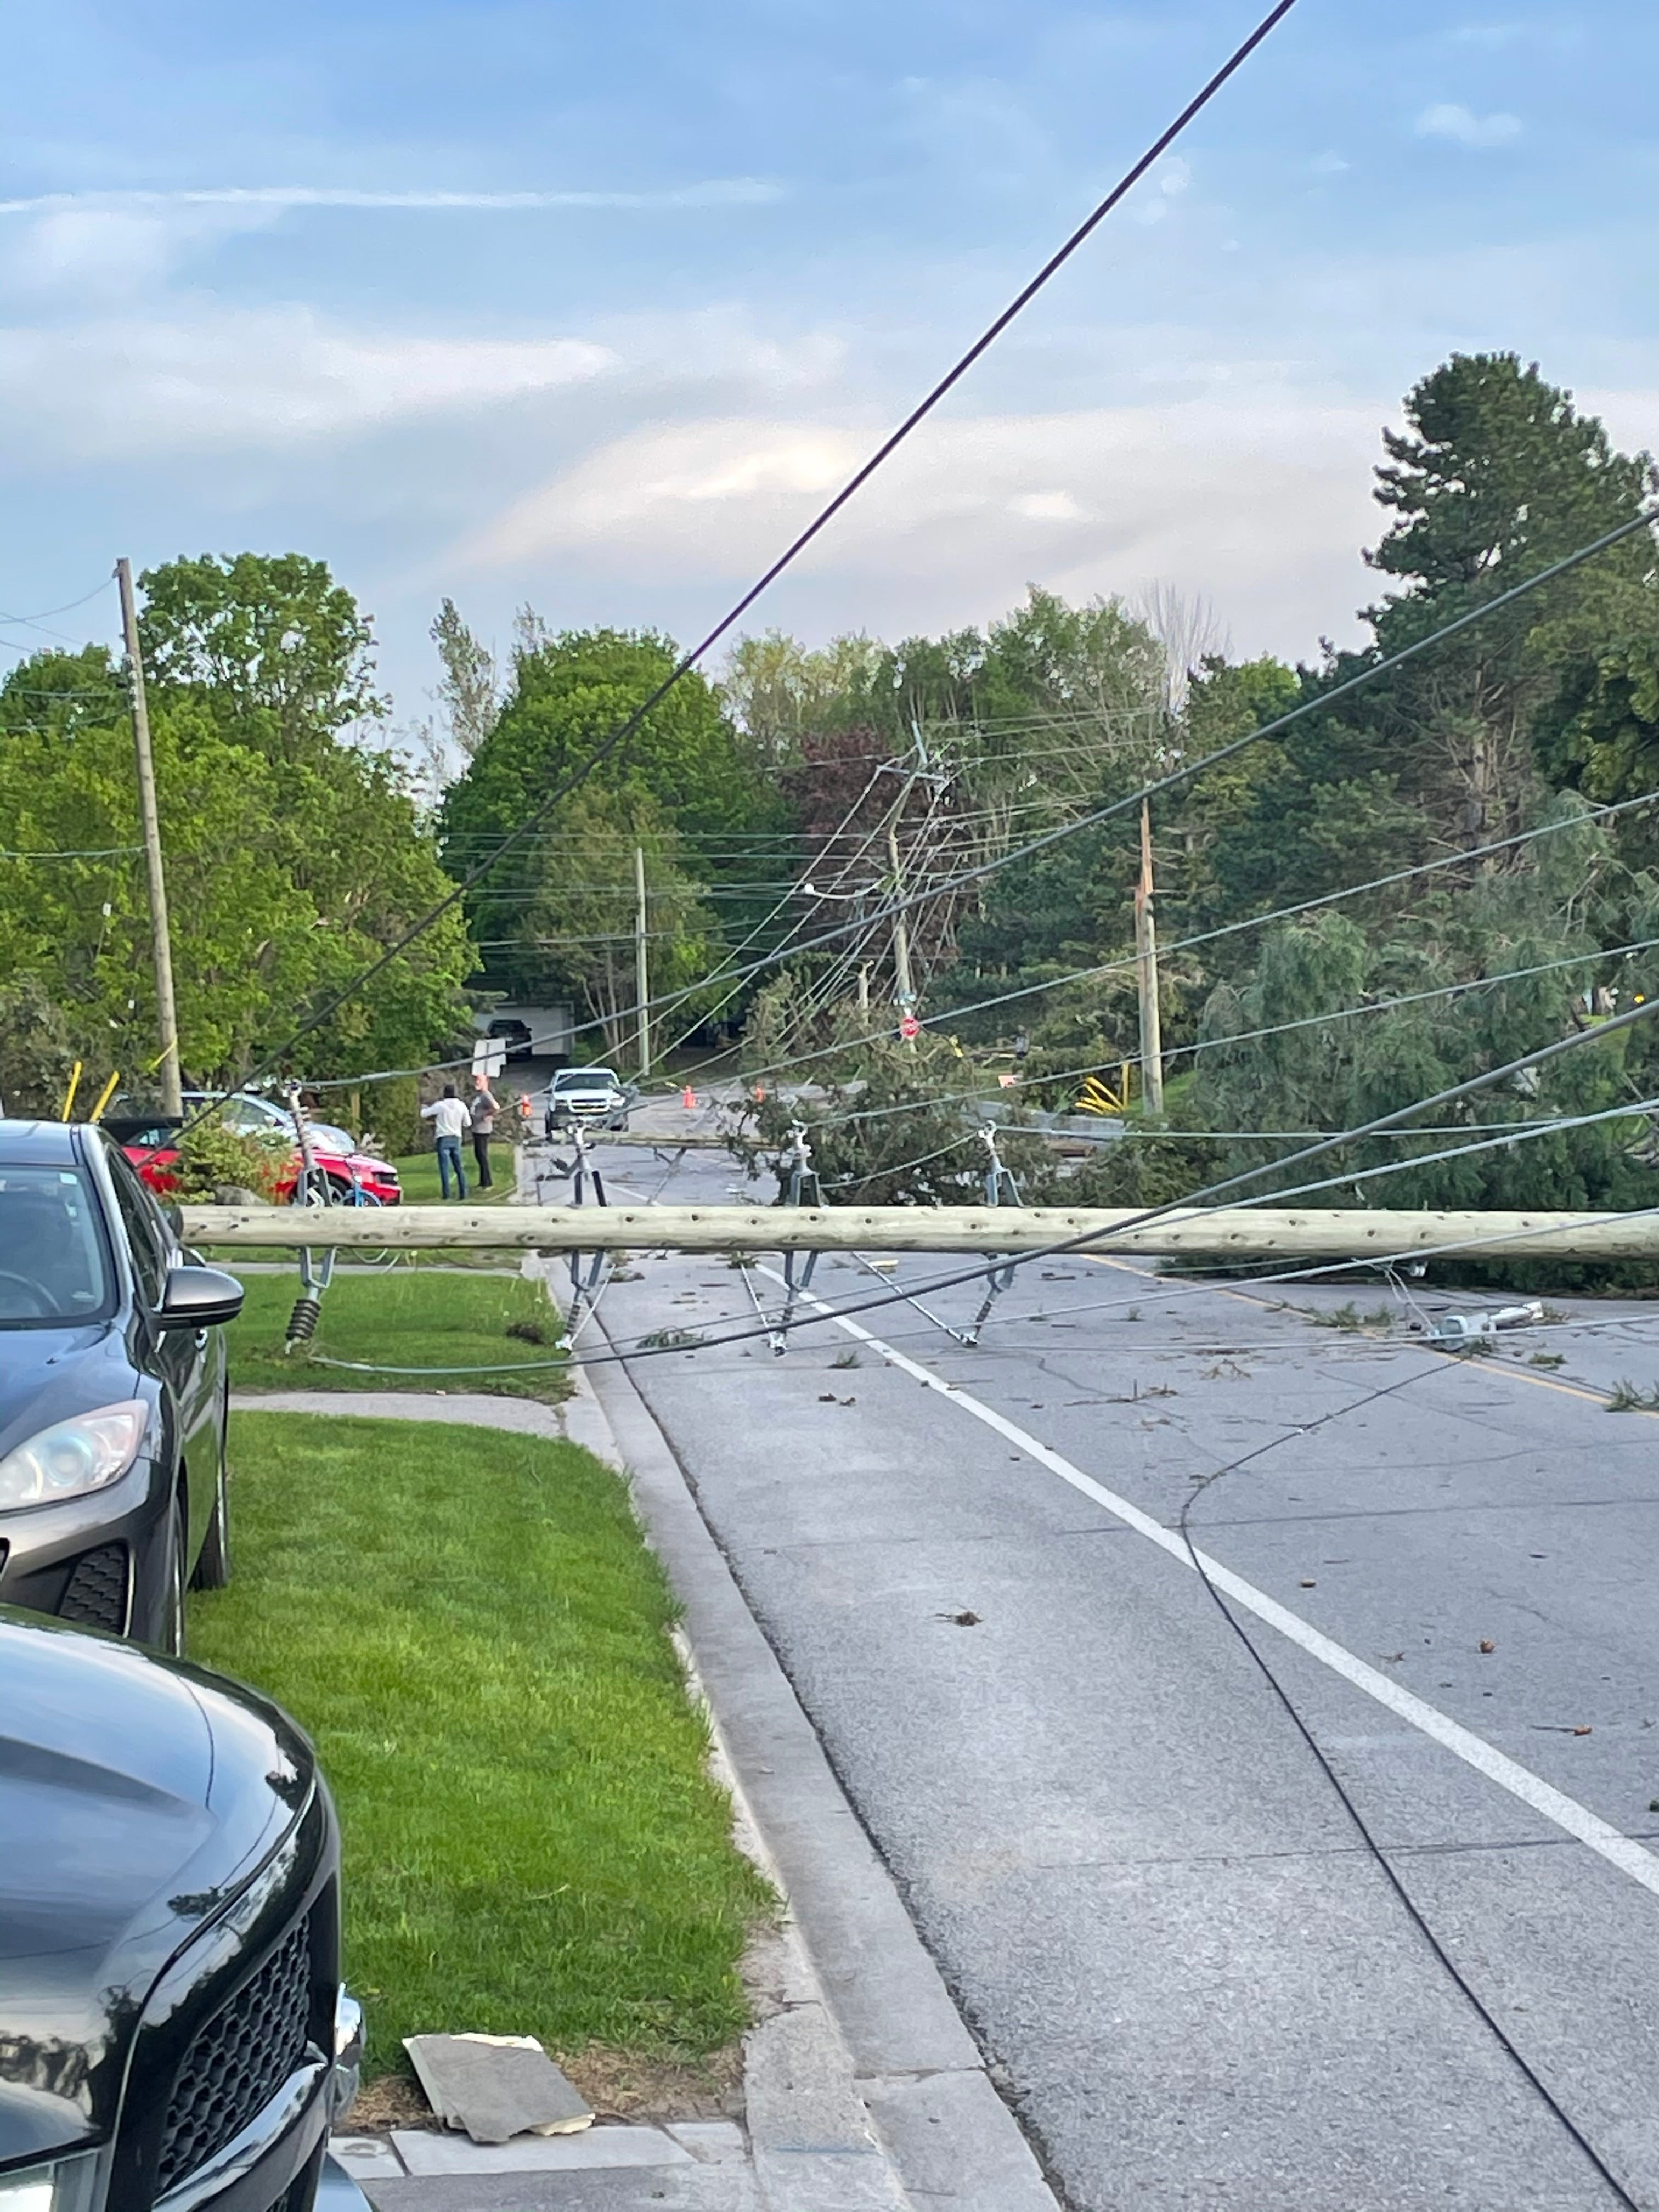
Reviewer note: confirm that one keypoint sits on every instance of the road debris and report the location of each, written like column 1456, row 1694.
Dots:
column 497, row 2087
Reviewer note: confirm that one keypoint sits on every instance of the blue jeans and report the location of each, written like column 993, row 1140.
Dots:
column 449, row 1156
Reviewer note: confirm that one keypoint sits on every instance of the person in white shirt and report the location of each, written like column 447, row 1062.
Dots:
column 452, row 1118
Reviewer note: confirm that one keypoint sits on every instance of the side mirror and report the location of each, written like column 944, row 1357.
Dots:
column 198, row 1298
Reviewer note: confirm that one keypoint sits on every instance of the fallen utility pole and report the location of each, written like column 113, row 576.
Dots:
column 1223, row 1232
column 167, row 1018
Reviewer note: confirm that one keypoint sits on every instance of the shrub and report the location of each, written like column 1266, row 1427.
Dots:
column 213, row 1159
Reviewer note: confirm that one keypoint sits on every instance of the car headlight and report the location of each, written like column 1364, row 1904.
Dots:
column 65, row 2186
column 86, row 1452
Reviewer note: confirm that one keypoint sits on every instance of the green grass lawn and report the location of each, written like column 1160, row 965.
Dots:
column 470, row 1628
column 400, row 1319
column 418, row 1173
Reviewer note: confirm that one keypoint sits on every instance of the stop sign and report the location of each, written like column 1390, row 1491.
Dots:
column 909, row 1028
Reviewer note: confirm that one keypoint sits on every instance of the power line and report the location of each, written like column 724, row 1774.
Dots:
column 1385, row 1866
column 1185, row 773
column 1232, row 928
column 1104, row 967
column 1307, row 1273
column 1378, row 1125
column 45, row 613
column 1252, row 1037
column 87, row 853
column 1303, row 1271
column 820, row 522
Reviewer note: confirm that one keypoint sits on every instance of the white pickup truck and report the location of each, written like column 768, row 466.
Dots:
column 590, row 1095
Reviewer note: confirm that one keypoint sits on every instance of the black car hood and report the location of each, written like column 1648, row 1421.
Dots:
column 140, row 1798
column 47, row 1374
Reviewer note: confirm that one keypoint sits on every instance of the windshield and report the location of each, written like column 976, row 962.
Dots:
column 585, row 1079
column 52, row 1255
column 332, row 1139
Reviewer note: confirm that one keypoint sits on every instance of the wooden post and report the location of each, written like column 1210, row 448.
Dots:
column 641, row 965
column 1151, row 1029
column 167, row 1020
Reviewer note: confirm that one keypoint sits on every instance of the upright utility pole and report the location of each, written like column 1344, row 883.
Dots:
column 1152, row 1029
column 167, row 1020
column 642, row 964
column 907, row 997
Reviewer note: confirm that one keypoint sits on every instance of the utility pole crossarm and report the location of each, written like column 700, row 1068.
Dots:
column 902, row 986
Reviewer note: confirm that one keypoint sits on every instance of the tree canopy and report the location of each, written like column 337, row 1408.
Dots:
column 293, row 850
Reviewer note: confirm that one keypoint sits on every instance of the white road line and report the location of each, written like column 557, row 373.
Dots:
column 1567, row 1813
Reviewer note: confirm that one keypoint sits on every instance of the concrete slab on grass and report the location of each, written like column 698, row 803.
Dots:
column 496, row 2087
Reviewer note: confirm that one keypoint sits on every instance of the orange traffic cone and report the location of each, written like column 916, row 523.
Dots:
column 688, row 1100
column 760, row 1094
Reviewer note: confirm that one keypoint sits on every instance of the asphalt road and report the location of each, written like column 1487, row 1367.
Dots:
column 1194, row 1976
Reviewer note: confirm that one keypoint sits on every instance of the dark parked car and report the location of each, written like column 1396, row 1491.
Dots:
column 174, row 2032
column 113, row 1392
column 515, row 1035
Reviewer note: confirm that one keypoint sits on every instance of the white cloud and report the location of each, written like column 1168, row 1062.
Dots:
column 1451, row 121
column 722, row 346
column 257, row 378
column 1175, row 176
column 1046, row 507
column 1261, row 503
column 718, row 192
column 98, row 256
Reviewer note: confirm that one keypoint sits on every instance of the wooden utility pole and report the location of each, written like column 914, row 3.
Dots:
column 1151, row 1029
column 167, row 1020
column 906, row 995
column 642, row 964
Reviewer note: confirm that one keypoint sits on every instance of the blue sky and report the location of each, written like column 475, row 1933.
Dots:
column 588, row 306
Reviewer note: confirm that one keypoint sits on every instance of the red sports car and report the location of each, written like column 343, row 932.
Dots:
column 343, row 1166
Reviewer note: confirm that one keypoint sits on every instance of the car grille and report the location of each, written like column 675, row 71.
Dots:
column 96, row 1596
column 239, row 2061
